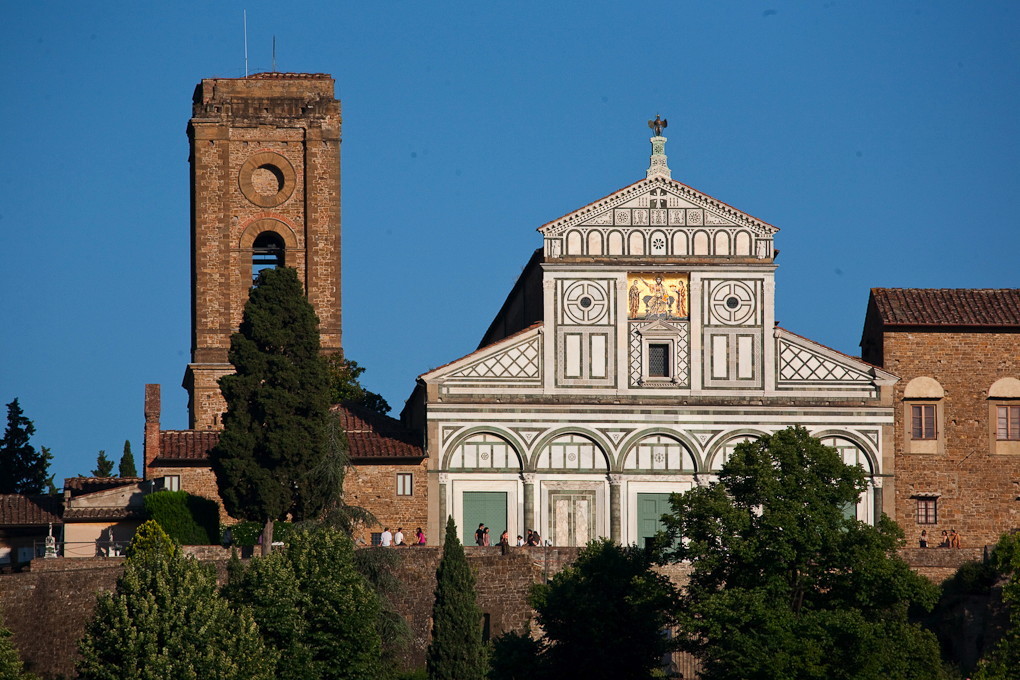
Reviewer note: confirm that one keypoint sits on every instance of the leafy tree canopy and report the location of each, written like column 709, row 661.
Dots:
column 602, row 617
column 277, row 406
column 127, row 462
column 313, row 607
column 456, row 651
column 104, row 466
column 1004, row 660
column 783, row 584
column 345, row 385
column 22, row 469
column 166, row 621
column 11, row 667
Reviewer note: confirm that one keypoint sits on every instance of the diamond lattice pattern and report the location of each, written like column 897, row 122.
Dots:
column 798, row 363
column 520, row 361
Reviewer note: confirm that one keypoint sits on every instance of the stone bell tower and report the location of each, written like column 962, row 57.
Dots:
column 265, row 192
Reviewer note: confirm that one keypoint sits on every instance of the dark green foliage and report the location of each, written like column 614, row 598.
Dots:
column 244, row 534
column 104, row 466
column 166, row 621
column 313, row 607
column 187, row 519
column 416, row 674
column 277, row 406
column 11, row 667
column 22, row 469
column 330, row 473
column 456, row 651
column 379, row 567
column 345, row 387
column 1003, row 663
column 517, row 656
column 782, row 584
column 127, row 462
column 603, row 615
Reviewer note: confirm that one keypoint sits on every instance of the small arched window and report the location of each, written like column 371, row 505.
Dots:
column 267, row 252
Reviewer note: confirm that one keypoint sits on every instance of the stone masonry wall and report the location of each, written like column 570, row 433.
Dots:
column 373, row 487
column 977, row 489
column 47, row 607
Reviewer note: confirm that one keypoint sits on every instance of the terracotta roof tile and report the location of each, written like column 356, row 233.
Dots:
column 971, row 307
column 19, row 510
column 103, row 513
column 371, row 436
column 80, row 485
column 186, row 445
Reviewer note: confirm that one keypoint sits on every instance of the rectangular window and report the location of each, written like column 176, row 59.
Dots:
column 658, row 361
column 1008, row 423
column 376, row 539
column 405, row 483
column 927, row 511
column 922, row 418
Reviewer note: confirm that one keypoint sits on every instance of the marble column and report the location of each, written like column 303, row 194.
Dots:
column 877, row 484
column 615, row 530
column 444, row 512
column 529, row 502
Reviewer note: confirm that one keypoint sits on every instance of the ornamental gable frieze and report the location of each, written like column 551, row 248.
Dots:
column 658, row 202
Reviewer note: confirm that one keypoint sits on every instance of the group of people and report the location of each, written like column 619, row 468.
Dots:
column 387, row 539
column 950, row 539
column 482, row 538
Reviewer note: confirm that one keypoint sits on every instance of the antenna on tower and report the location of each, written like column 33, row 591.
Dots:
column 245, row 43
column 274, row 54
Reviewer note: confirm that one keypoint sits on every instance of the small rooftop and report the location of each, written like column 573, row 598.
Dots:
column 961, row 307
column 20, row 510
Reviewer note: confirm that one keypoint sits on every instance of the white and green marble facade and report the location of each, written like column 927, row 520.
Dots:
column 566, row 418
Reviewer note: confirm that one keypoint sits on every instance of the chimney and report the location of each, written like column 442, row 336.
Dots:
column 152, row 409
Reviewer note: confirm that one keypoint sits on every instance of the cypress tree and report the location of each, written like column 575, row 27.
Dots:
column 22, row 468
column 456, row 651
column 127, row 462
column 166, row 621
column 277, row 399
column 104, row 466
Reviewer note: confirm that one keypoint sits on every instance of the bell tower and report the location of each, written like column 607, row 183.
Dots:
column 265, row 192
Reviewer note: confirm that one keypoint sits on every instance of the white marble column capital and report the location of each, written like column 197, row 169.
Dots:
column 528, row 477
column 444, row 477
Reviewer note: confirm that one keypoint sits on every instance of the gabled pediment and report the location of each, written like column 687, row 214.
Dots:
column 802, row 362
column 658, row 216
column 649, row 197
column 515, row 360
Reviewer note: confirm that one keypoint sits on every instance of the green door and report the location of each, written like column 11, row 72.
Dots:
column 650, row 508
column 486, row 507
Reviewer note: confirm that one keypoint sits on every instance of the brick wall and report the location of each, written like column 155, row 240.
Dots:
column 977, row 490
column 373, row 487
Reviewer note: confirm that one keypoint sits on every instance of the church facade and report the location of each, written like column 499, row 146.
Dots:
column 636, row 350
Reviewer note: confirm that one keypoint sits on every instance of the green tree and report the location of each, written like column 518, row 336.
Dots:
column 783, row 585
column 104, row 466
column 345, row 384
column 330, row 473
column 313, row 607
column 166, row 621
column 11, row 667
column 277, row 408
column 456, row 651
column 187, row 519
column 603, row 616
column 127, row 462
column 22, row 469
column 1004, row 660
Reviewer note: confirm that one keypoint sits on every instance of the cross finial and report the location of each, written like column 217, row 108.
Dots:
column 657, row 125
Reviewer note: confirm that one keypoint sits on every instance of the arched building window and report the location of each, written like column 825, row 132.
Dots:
column 267, row 252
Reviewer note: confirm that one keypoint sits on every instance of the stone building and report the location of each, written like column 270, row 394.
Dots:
column 956, row 406
column 265, row 192
column 637, row 348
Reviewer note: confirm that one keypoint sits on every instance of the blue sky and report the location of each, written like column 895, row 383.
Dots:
column 882, row 138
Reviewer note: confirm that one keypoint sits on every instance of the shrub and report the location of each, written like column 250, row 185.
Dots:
column 244, row 534
column 189, row 520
